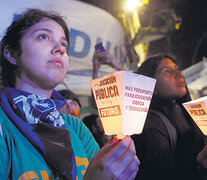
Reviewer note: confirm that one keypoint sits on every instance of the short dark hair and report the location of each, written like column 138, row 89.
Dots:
column 90, row 121
column 149, row 68
column 68, row 94
column 14, row 34
column 150, row 65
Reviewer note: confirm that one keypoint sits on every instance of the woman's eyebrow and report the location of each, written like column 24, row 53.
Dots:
column 165, row 66
column 48, row 30
column 42, row 29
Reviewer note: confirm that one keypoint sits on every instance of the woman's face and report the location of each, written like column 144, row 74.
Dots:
column 170, row 80
column 44, row 60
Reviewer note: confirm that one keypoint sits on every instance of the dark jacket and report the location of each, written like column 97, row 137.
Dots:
column 159, row 161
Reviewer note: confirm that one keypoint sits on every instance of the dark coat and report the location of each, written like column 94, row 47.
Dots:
column 159, row 161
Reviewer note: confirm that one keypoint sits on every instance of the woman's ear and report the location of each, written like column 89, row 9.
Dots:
column 9, row 55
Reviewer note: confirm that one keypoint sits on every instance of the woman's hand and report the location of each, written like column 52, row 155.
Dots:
column 104, row 57
column 202, row 162
column 116, row 160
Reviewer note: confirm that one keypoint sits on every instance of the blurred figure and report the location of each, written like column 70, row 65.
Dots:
column 94, row 124
column 72, row 105
column 170, row 140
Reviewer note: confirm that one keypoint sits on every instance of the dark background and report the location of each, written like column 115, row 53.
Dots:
column 188, row 44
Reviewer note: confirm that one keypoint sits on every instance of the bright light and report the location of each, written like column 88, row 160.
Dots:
column 132, row 4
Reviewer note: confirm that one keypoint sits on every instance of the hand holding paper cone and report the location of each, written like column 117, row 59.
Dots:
column 116, row 160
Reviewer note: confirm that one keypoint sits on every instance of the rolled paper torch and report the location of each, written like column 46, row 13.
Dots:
column 123, row 100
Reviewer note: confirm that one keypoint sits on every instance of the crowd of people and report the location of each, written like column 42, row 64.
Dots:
column 41, row 135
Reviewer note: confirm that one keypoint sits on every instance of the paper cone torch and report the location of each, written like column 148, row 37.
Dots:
column 197, row 109
column 123, row 100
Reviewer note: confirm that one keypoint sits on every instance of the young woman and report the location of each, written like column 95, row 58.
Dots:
column 36, row 141
column 170, row 141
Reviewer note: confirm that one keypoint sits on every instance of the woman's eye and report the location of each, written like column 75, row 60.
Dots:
column 43, row 36
column 65, row 45
column 168, row 71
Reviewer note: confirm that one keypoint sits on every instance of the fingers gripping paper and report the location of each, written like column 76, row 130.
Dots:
column 123, row 100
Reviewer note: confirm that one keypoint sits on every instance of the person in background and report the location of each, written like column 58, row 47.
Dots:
column 94, row 124
column 36, row 141
column 170, row 141
column 72, row 105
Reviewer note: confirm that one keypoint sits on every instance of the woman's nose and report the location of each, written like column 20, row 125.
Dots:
column 178, row 73
column 58, row 48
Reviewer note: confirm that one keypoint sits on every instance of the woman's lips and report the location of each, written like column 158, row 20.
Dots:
column 58, row 62
column 182, row 84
